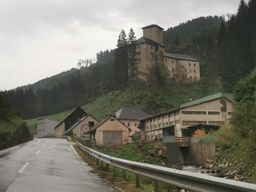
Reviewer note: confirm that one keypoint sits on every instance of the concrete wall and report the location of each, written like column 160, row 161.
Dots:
column 199, row 152
column 173, row 155
column 59, row 131
column 195, row 154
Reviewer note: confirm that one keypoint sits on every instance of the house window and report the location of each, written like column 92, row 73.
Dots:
column 172, row 61
column 194, row 64
column 151, row 47
column 193, row 112
column 139, row 53
column 213, row 113
column 195, row 77
column 165, row 60
column 194, row 71
column 128, row 124
column 112, row 119
column 223, row 105
column 135, row 124
column 189, row 64
column 177, row 121
column 91, row 123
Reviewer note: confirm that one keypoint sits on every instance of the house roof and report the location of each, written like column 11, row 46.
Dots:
column 228, row 96
column 152, row 25
column 179, row 56
column 130, row 113
column 146, row 40
column 104, row 120
column 78, row 108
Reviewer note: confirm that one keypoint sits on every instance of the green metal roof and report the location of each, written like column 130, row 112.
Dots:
column 228, row 96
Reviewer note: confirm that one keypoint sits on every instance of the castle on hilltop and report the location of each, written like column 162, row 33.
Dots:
column 178, row 66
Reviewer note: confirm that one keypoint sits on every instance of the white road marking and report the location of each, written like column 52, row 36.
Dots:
column 24, row 167
column 73, row 148
column 37, row 152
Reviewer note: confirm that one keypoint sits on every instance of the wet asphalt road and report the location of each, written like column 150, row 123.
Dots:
column 47, row 165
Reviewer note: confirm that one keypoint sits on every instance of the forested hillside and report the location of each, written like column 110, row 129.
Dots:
column 226, row 51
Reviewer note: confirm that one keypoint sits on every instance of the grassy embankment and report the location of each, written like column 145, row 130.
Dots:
column 13, row 132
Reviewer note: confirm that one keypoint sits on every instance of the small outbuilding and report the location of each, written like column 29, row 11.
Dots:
column 110, row 131
column 82, row 126
column 69, row 121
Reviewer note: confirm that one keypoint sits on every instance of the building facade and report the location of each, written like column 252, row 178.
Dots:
column 150, row 49
column 45, row 126
column 131, row 118
column 110, row 131
column 77, row 129
column 208, row 112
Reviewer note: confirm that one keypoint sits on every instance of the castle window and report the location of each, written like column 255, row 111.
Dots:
column 189, row 64
column 139, row 53
column 194, row 71
column 194, row 64
column 172, row 61
column 172, row 69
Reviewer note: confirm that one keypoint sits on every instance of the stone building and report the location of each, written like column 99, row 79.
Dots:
column 150, row 48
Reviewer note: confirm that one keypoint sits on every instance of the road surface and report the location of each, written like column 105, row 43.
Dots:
column 50, row 165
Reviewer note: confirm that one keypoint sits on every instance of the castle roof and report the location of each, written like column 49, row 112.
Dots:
column 180, row 56
column 153, row 25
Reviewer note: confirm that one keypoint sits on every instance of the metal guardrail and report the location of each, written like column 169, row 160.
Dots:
column 182, row 179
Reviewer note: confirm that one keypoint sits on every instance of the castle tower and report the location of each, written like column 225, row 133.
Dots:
column 154, row 32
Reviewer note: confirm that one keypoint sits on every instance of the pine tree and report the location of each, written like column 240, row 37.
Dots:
column 132, row 56
column 121, row 62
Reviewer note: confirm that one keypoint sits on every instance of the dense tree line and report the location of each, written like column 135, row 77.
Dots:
column 226, row 53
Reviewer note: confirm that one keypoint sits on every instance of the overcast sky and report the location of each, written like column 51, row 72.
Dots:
column 41, row 38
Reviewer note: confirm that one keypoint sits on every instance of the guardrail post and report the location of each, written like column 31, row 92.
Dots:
column 137, row 180
column 156, row 187
column 114, row 171
column 124, row 174
column 107, row 166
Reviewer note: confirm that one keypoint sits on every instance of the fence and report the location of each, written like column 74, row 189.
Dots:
column 182, row 179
